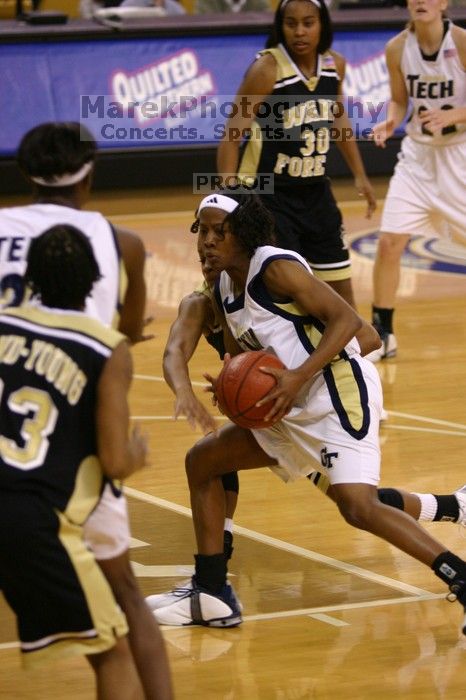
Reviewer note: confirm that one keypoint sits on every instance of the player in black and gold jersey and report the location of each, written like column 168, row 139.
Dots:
column 57, row 158
column 290, row 107
column 64, row 414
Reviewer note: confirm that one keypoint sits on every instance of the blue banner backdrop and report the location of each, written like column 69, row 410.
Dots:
column 144, row 93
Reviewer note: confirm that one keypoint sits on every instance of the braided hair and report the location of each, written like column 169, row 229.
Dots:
column 251, row 223
column 61, row 267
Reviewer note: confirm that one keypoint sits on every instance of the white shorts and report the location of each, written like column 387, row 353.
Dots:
column 336, row 431
column 106, row 531
column 427, row 192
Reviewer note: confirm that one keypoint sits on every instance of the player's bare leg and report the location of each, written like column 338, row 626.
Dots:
column 116, row 675
column 212, row 601
column 345, row 289
column 386, row 274
column 205, row 463
column 145, row 639
column 410, row 503
column 360, row 506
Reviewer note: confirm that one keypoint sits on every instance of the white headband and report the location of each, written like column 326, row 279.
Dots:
column 219, row 201
column 66, row 179
column 314, row 2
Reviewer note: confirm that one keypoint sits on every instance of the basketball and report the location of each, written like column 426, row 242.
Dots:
column 241, row 384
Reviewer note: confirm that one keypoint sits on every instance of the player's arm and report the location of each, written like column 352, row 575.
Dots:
column 347, row 145
column 459, row 39
column 368, row 338
column 437, row 119
column 120, row 453
column 134, row 304
column 185, row 332
column 398, row 104
column 257, row 84
column 288, row 279
column 231, row 346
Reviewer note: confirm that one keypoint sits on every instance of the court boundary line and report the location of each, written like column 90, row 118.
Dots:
column 306, row 612
column 418, row 429
column 310, row 612
column 398, row 414
column 287, row 547
column 393, row 426
column 423, row 419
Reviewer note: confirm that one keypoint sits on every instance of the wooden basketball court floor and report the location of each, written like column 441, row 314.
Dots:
column 329, row 611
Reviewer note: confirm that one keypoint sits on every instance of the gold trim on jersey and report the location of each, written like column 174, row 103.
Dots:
column 215, row 320
column 285, row 68
column 343, row 273
column 122, row 288
column 203, row 288
column 288, row 71
column 251, row 156
column 86, row 492
column 77, row 323
column 349, row 392
column 312, row 333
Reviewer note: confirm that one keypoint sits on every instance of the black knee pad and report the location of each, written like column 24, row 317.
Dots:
column 391, row 497
column 230, row 482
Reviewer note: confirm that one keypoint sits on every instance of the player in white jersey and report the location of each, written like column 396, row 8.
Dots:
column 325, row 414
column 58, row 160
column 427, row 193
column 27, row 222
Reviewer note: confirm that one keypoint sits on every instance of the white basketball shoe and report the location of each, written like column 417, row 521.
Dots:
column 387, row 350
column 197, row 606
column 461, row 498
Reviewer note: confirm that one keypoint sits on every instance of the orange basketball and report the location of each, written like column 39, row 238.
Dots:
column 241, row 384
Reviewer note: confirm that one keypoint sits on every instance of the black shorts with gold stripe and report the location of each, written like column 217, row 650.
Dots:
column 62, row 601
column 308, row 221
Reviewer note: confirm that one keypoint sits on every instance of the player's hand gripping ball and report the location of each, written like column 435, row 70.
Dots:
column 241, row 384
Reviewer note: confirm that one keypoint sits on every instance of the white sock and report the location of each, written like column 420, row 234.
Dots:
column 428, row 506
column 228, row 525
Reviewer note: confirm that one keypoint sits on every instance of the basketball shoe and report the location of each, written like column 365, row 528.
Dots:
column 161, row 600
column 387, row 350
column 199, row 606
column 461, row 498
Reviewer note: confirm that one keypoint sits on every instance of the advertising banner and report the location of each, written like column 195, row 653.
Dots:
column 146, row 93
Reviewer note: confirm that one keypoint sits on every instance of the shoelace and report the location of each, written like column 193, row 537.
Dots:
column 181, row 592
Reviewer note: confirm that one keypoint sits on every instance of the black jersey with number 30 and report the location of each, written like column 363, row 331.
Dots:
column 291, row 134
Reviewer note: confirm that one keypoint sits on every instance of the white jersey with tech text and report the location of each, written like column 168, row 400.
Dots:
column 434, row 84
column 19, row 225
